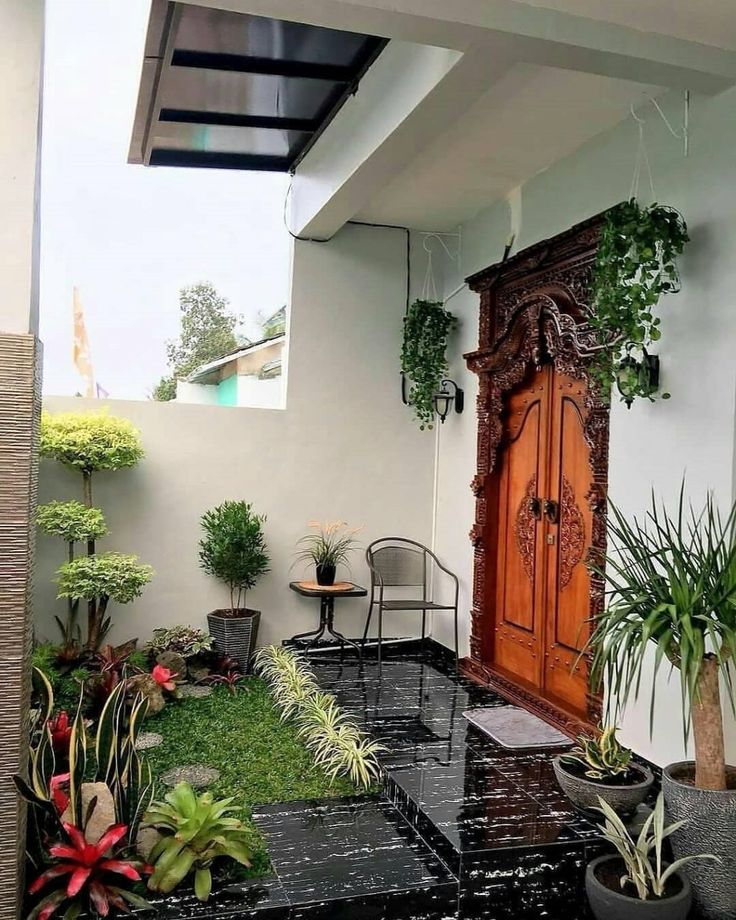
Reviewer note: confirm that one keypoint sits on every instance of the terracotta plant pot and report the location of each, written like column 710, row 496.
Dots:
column 325, row 573
column 609, row 904
column 235, row 633
column 710, row 827
column 583, row 792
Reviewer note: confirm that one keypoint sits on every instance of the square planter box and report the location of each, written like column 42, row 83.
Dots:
column 235, row 635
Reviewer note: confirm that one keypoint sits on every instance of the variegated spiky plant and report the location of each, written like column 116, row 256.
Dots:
column 338, row 745
column 603, row 758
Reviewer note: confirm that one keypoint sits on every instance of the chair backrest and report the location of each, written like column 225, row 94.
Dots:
column 398, row 563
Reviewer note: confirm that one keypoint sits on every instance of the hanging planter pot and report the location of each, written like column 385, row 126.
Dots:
column 423, row 363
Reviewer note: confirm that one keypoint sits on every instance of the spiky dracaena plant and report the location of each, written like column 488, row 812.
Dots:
column 672, row 581
column 644, row 866
column 339, row 746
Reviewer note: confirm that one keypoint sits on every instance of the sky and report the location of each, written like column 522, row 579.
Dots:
column 130, row 237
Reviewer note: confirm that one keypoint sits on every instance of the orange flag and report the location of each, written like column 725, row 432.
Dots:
column 82, row 357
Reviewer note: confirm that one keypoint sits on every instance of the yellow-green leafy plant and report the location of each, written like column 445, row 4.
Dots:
column 74, row 523
column 603, row 758
column 88, row 442
column 195, row 830
column 339, row 746
column 98, row 579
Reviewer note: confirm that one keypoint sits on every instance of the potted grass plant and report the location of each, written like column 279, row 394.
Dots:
column 672, row 581
column 328, row 547
column 636, row 882
column 234, row 550
column 602, row 768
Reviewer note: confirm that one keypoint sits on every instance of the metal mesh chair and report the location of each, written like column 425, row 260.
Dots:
column 396, row 562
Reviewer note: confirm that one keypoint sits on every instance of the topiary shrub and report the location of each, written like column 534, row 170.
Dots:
column 88, row 442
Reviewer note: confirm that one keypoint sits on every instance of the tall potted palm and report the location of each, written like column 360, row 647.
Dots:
column 234, row 550
column 672, row 579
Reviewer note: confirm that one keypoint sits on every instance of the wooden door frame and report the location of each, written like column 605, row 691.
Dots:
column 533, row 309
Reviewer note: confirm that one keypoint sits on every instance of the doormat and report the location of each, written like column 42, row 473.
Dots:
column 512, row 727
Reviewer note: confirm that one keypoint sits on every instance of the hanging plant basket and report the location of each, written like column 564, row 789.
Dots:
column 423, row 363
column 635, row 265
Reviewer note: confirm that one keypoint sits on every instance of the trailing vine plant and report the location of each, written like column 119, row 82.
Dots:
column 635, row 265
column 426, row 327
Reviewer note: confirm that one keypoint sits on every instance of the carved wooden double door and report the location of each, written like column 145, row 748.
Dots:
column 538, row 536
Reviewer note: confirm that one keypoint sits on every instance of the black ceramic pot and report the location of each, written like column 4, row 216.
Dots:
column 583, row 793
column 326, row 573
column 710, row 827
column 235, row 633
column 608, row 904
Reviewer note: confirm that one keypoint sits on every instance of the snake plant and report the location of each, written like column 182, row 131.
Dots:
column 602, row 758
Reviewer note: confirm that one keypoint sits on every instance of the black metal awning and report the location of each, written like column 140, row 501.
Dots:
column 236, row 91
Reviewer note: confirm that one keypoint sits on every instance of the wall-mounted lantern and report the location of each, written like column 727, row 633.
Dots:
column 446, row 397
column 638, row 378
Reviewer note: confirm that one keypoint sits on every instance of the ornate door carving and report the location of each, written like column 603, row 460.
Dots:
column 541, row 478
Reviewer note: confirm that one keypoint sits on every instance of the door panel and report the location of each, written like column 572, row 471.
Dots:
column 568, row 579
column 518, row 586
column 541, row 590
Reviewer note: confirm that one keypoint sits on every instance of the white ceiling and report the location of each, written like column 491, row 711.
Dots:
column 712, row 22
column 532, row 117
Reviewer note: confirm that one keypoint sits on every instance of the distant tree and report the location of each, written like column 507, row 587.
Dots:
column 207, row 331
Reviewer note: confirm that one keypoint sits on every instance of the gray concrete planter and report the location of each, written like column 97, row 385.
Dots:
column 583, row 793
column 235, row 635
column 607, row 904
column 710, row 828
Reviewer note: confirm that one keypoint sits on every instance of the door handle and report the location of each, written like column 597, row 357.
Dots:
column 535, row 507
column 551, row 510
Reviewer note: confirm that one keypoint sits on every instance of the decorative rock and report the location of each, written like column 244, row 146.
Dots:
column 174, row 662
column 198, row 775
column 146, row 840
column 196, row 670
column 103, row 814
column 147, row 686
column 193, row 691
column 147, row 740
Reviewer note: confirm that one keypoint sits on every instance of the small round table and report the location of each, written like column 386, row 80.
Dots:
column 327, row 595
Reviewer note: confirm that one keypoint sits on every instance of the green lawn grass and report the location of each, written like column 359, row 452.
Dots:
column 260, row 758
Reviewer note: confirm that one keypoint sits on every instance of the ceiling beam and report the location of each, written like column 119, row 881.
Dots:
column 536, row 35
column 230, row 120
column 244, row 63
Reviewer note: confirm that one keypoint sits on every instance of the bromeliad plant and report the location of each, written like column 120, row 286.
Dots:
column 603, row 758
column 426, row 327
column 88, row 442
column 672, row 583
column 644, row 866
column 636, row 264
column 339, row 746
column 195, row 831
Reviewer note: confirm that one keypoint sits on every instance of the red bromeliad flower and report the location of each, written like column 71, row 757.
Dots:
column 88, row 869
column 59, row 793
column 164, row 677
column 61, row 732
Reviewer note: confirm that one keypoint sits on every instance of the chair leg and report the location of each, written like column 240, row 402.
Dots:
column 424, row 624
column 367, row 623
column 380, row 633
column 457, row 654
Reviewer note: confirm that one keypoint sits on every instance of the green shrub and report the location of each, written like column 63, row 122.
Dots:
column 186, row 641
column 90, row 441
column 99, row 579
column 71, row 521
column 234, row 548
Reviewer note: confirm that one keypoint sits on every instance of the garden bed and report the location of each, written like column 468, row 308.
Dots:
column 260, row 758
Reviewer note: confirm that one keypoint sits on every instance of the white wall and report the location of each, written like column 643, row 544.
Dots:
column 343, row 448
column 652, row 444
column 21, row 27
column 265, row 394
